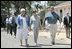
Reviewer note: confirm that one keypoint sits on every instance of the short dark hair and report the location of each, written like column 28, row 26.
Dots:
column 16, row 13
column 34, row 11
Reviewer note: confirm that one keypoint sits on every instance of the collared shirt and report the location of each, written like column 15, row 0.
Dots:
column 35, row 22
column 10, row 19
column 67, row 18
column 51, row 17
column 15, row 17
column 7, row 20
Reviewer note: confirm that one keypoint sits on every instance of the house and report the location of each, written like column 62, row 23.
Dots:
column 63, row 8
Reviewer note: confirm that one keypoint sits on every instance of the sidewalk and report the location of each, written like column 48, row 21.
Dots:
column 59, row 35
column 8, row 41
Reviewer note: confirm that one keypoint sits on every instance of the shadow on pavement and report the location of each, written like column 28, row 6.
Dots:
column 61, row 44
column 44, row 45
column 30, row 46
column 39, row 45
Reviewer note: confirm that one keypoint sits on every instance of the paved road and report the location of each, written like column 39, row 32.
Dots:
column 8, row 41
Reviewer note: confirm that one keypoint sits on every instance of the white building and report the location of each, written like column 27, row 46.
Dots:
column 63, row 8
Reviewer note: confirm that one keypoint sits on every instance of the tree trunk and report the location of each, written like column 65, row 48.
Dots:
column 8, row 11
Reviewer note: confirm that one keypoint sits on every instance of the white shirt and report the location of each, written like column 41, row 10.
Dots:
column 10, row 19
column 35, row 22
column 7, row 20
column 68, row 19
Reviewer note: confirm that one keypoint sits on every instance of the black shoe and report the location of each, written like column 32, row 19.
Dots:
column 21, row 45
column 27, row 45
column 68, row 37
column 53, row 43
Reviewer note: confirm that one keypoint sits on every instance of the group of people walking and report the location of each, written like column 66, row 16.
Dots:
column 21, row 24
column 11, row 24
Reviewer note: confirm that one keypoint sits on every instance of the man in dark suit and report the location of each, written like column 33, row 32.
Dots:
column 67, row 23
column 14, row 23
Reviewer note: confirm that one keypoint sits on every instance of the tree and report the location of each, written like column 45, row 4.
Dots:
column 23, row 4
column 51, row 3
column 6, row 5
column 54, row 3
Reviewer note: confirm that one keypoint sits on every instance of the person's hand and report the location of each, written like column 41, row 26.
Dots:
column 29, row 29
column 18, row 27
column 60, row 22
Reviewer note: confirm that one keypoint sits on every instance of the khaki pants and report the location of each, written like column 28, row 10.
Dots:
column 67, row 31
column 53, row 30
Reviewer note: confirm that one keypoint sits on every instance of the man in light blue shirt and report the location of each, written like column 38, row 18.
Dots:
column 52, row 18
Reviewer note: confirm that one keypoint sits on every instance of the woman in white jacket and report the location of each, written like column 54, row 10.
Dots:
column 22, row 27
